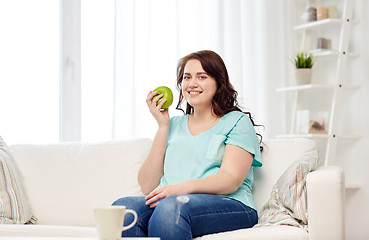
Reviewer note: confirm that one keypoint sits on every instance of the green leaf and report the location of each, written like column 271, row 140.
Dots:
column 303, row 60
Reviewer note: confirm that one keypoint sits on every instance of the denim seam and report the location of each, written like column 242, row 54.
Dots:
column 139, row 223
column 224, row 213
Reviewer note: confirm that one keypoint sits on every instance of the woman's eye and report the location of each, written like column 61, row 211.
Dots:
column 202, row 77
column 186, row 77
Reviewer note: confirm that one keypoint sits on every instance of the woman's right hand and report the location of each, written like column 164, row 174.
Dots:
column 161, row 115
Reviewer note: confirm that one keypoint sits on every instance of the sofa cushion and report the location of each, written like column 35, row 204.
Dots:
column 273, row 232
column 262, row 233
column 46, row 231
column 288, row 204
column 66, row 181
column 277, row 156
column 14, row 205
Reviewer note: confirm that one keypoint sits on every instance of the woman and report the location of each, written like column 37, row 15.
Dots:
column 198, row 175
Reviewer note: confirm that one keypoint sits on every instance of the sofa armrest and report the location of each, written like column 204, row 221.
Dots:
column 325, row 197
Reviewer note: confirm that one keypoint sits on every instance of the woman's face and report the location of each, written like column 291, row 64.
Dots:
column 198, row 88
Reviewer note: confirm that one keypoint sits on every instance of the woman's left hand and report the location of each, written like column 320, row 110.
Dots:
column 153, row 198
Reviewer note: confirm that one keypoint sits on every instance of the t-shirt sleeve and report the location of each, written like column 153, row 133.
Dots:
column 244, row 136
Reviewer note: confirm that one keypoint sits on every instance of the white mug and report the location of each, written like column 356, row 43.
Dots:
column 110, row 220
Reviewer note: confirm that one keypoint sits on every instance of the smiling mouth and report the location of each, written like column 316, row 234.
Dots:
column 192, row 93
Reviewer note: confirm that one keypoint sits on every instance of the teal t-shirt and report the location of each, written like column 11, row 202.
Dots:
column 191, row 157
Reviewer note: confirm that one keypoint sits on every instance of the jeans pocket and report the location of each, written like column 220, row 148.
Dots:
column 216, row 148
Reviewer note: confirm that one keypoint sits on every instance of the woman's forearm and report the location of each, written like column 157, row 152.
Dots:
column 220, row 184
column 152, row 169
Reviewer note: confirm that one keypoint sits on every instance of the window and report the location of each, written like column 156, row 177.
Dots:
column 29, row 75
column 97, row 69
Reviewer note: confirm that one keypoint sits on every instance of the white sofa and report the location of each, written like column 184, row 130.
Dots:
column 64, row 182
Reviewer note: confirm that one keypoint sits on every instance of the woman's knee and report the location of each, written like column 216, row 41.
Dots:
column 135, row 203
column 170, row 219
column 171, row 209
column 130, row 202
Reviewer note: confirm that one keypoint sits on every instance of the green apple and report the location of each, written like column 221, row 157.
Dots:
column 167, row 94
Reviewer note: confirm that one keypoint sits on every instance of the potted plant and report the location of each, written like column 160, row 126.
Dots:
column 304, row 63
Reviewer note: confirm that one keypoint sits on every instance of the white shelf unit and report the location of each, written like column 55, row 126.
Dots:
column 328, row 53
column 341, row 55
column 315, row 87
column 317, row 135
column 325, row 23
column 353, row 187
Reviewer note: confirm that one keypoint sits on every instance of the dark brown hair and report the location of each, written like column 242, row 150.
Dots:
column 225, row 98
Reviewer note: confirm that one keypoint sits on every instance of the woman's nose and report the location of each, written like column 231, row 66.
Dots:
column 192, row 83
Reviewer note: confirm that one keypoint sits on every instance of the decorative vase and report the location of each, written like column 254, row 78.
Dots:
column 303, row 76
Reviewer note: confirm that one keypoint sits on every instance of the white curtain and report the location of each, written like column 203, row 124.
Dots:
column 151, row 36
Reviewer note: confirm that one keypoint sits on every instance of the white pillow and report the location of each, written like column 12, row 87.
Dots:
column 14, row 204
column 287, row 204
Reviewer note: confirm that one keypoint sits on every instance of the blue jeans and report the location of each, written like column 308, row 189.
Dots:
column 185, row 217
